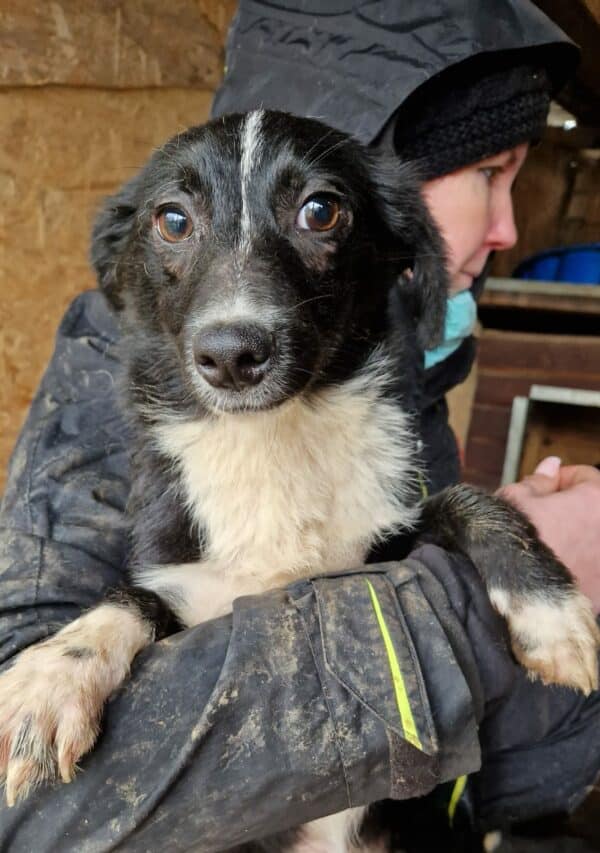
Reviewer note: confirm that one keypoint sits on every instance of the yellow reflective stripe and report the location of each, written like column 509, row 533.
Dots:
column 408, row 722
column 457, row 792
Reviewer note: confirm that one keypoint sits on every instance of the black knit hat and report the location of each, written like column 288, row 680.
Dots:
column 470, row 112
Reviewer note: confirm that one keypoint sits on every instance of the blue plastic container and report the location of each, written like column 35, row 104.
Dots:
column 581, row 267
column 575, row 264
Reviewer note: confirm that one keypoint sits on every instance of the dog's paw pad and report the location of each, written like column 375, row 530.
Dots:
column 556, row 639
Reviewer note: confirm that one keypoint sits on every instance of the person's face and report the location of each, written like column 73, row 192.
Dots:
column 473, row 209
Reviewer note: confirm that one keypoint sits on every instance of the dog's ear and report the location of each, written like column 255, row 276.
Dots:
column 418, row 246
column 110, row 234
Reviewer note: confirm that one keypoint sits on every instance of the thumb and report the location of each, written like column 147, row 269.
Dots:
column 549, row 467
column 546, row 477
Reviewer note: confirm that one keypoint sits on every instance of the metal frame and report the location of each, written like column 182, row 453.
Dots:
column 520, row 414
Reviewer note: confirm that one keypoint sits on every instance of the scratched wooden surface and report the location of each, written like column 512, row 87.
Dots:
column 87, row 89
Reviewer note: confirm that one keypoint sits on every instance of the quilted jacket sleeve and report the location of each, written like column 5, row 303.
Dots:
column 64, row 536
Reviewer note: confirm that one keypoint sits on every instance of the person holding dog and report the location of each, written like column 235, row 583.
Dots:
column 193, row 754
column 465, row 117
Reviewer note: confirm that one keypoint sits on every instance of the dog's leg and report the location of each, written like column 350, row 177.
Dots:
column 337, row 833
column 552, row 628
column 197, row 592
column 51, row 699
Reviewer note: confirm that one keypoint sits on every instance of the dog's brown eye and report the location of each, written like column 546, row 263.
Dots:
column 319, row 213
column 173, row 223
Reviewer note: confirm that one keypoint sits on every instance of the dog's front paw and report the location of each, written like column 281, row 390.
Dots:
column 553, row 635
column 50, row 706
column 52, row 697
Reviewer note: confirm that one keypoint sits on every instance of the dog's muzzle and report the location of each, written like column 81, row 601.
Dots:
column 233, row 356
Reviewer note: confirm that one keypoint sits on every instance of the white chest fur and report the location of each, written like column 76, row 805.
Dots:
column 301, row 489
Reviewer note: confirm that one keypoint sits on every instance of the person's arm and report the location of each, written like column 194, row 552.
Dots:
column 63, row 529
column 284, row 712
column 287, row 710
column 213, row 716
column 563, row 502
column 339, row 691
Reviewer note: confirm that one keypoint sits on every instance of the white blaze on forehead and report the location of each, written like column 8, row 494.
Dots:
column 251, row 147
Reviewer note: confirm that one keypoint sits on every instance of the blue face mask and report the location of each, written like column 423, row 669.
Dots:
column 461, row 316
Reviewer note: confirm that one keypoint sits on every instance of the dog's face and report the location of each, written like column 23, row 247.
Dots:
column 255, row 257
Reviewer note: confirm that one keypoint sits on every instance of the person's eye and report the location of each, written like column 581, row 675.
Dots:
column 173, row 223
column 490, row 172
column 319, row 213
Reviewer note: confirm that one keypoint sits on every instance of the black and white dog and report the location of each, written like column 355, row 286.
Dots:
column 258, row 262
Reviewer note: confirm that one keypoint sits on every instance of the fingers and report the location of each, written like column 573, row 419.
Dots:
column 572, row 475
column 545, row 480
column 549, row 467
column 546, row 477
column 550, row 476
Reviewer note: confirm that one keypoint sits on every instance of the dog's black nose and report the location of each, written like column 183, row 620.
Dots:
column 233, row 356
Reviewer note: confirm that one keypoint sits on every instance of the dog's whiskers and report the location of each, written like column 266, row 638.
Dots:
column 311, row 299
column 327, row 151
column 305, row 158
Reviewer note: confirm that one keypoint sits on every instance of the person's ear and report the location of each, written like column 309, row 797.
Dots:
column 112, row 230
column 418, row 247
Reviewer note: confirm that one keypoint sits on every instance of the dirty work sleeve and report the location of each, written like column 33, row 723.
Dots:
column 301, row 703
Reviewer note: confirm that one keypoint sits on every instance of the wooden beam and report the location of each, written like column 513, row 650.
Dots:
column 580, row 19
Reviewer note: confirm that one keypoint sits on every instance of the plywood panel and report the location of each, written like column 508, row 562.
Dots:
column 61, row 151
column 111, row 43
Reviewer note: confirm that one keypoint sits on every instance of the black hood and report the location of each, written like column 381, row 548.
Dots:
column 352, row 64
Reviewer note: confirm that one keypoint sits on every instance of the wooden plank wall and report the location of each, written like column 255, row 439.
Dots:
column 509, row 364
column 556, row 200
column 87, row 90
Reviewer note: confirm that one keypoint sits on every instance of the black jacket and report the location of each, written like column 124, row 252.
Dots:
column 282, row 712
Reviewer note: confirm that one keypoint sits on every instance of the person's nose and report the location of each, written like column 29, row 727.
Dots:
column 502, row 233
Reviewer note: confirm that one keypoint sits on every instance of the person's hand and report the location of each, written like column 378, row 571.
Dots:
column 563, row 502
